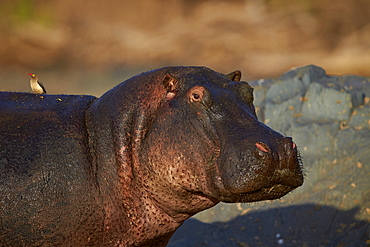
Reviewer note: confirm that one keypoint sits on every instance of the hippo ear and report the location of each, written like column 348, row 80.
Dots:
column 170, row 84
column 235, row 76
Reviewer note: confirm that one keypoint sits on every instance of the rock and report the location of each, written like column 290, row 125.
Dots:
column 283, row 116
column 324, row 105
column 283, row 90
column 315, row 139
column 360, row 118
column 305, row 74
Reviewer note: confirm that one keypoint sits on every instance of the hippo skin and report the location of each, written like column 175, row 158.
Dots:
column 128, row 168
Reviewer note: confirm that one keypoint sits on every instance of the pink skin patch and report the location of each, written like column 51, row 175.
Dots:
column 262, row 147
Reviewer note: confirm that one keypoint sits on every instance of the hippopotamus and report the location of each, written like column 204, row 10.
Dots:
column 128, row 168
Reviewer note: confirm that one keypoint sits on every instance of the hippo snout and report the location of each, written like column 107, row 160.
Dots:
column 285, row 159
column 282, row 154
column 265, row 149
column 272, row 169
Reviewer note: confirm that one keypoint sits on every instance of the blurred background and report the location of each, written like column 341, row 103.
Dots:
column 87, row 47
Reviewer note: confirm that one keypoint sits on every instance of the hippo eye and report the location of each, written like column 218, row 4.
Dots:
column 196, row 94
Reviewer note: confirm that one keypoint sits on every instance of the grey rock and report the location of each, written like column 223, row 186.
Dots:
column 283, row 90
column 283, row 116
column 360, row 118
column 306, row 74
column 315, row 139
column 353, row 143
column 323, row 105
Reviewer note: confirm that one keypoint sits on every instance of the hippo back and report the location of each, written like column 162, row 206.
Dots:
column 44, row 166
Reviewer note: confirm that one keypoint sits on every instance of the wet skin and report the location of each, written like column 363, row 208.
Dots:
column 128, row 168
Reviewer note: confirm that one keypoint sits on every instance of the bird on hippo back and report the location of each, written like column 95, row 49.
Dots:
column 36, row 85
column 128, row 168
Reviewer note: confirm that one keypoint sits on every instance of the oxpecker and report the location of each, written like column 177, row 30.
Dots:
column 36, row 85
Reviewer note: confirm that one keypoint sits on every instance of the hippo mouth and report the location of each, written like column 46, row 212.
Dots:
column 268, row 175
column 252, row 192
column 267, row 193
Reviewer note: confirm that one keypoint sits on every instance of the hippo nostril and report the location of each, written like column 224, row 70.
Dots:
column 289, row 144
column 263, row 147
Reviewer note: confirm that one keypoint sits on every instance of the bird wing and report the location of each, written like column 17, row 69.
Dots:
column 42, row 86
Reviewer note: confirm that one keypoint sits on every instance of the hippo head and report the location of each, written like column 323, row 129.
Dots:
column 194, row 140
column 206, row 139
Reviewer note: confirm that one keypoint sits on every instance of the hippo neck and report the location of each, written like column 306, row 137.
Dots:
column 130, row 215
column 135, row 217
column 116, row 132
column 157, row 223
